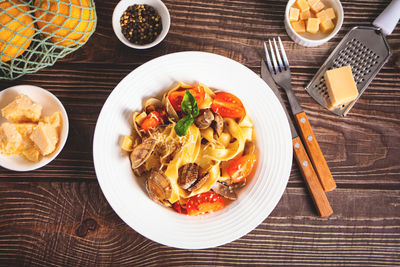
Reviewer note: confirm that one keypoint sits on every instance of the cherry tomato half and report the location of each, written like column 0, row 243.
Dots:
column 241, row 167
column 175, row 98
column 178, row 208
column 151, row 121
column 204, row 203
column 228, row 105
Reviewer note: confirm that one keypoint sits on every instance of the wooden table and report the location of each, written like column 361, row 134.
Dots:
column 44, row 214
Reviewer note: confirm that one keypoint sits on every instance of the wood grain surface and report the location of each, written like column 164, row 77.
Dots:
column 58, row 216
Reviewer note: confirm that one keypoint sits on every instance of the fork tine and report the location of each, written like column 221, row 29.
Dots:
column 273, row 57
column 285, row 60
column 268, row 58
column 278, row 55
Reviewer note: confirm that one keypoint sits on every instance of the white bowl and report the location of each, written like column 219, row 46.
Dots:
column 158, row 5
column 127, row 194
column 50, row 105
column 319, row 39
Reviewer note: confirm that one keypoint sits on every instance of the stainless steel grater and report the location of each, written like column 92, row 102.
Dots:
column 365, row 49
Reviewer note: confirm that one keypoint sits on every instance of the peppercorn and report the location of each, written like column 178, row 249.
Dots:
column 140, row 24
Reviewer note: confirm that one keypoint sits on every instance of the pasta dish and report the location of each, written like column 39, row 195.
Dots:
column 195, row 147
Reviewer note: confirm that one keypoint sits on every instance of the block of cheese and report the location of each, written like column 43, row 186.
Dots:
column 330, row 13
column 299, row 26
column 341, row 86
column 294, row 14
column 54, row 119
column 312, row 2
column 305, row 15
column 313, row 25
column 10, row 139
column 45, row 137
column 302, row 5
column 322, row 16
column 22, row 109
column 326, row 26
column 32, row 154
column 317, row 7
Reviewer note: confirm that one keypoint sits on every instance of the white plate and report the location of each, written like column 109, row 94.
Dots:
column 126, row 193
column 50, row 104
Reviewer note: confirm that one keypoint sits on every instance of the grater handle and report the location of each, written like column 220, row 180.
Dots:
column 317, row 192
column 389, row 18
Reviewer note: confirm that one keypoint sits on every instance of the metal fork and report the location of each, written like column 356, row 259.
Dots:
column 280, row 71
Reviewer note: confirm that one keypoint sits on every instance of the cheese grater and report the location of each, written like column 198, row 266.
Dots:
column 365, row 49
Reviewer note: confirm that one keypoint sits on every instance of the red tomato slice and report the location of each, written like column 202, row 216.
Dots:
column 178, row 208
column 228, row 105
column 241, row 167
column 151, row 121
column 175, row 98
column 204, row 203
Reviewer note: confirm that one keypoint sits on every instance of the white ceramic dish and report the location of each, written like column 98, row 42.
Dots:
column 126, row 193
column 50, row 105
column 158, row 5
column 317, row 40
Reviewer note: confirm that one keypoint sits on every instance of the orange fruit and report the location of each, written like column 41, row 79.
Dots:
column 16, row 28
column 73, row 19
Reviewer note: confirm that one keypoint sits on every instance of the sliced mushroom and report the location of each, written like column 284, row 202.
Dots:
column 226, row 191
column 188, row 175
column 218, row 124
column 199, row 182
column 249, row 148
column 142, row 152
column 152, row 104
column 158, row 186
column 204, row 120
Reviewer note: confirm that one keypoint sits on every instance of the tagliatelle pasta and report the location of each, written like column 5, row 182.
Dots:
column 188, row 143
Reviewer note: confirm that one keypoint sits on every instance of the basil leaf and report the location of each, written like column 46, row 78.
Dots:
column 183, row 125
column 189, row 105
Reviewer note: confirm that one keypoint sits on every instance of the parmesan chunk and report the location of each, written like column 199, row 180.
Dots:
column 45, row 137
column 10, row 139
column 22, row 109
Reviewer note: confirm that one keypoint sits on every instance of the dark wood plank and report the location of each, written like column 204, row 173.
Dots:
column 39, row 223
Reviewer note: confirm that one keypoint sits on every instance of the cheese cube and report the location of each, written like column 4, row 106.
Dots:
column 298, row 26
column 32, row 154
column 312, row 2
column 294, row 14
column 54, row 120
column 326, row 26
column 10, row 139
column 341, row 86
column 45, row 137
column 305, row 15
column 22, row 109
column 313, row 25
column 317, row 7
column 330, row 13
column 302, row 5
column 322, row 16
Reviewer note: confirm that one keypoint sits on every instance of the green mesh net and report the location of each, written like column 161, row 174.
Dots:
column 35, row 33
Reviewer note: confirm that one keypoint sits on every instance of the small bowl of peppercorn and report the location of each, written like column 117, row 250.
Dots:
column 141, row 24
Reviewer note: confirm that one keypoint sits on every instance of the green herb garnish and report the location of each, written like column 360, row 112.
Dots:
column 191, row 110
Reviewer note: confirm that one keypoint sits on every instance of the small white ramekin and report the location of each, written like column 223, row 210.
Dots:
column 158, row 5
column 297, row 38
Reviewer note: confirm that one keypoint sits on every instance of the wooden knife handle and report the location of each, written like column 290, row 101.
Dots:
column 315, row 153
column 309, row 175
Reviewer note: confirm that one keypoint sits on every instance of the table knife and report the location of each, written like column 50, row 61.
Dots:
column 307, row 170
